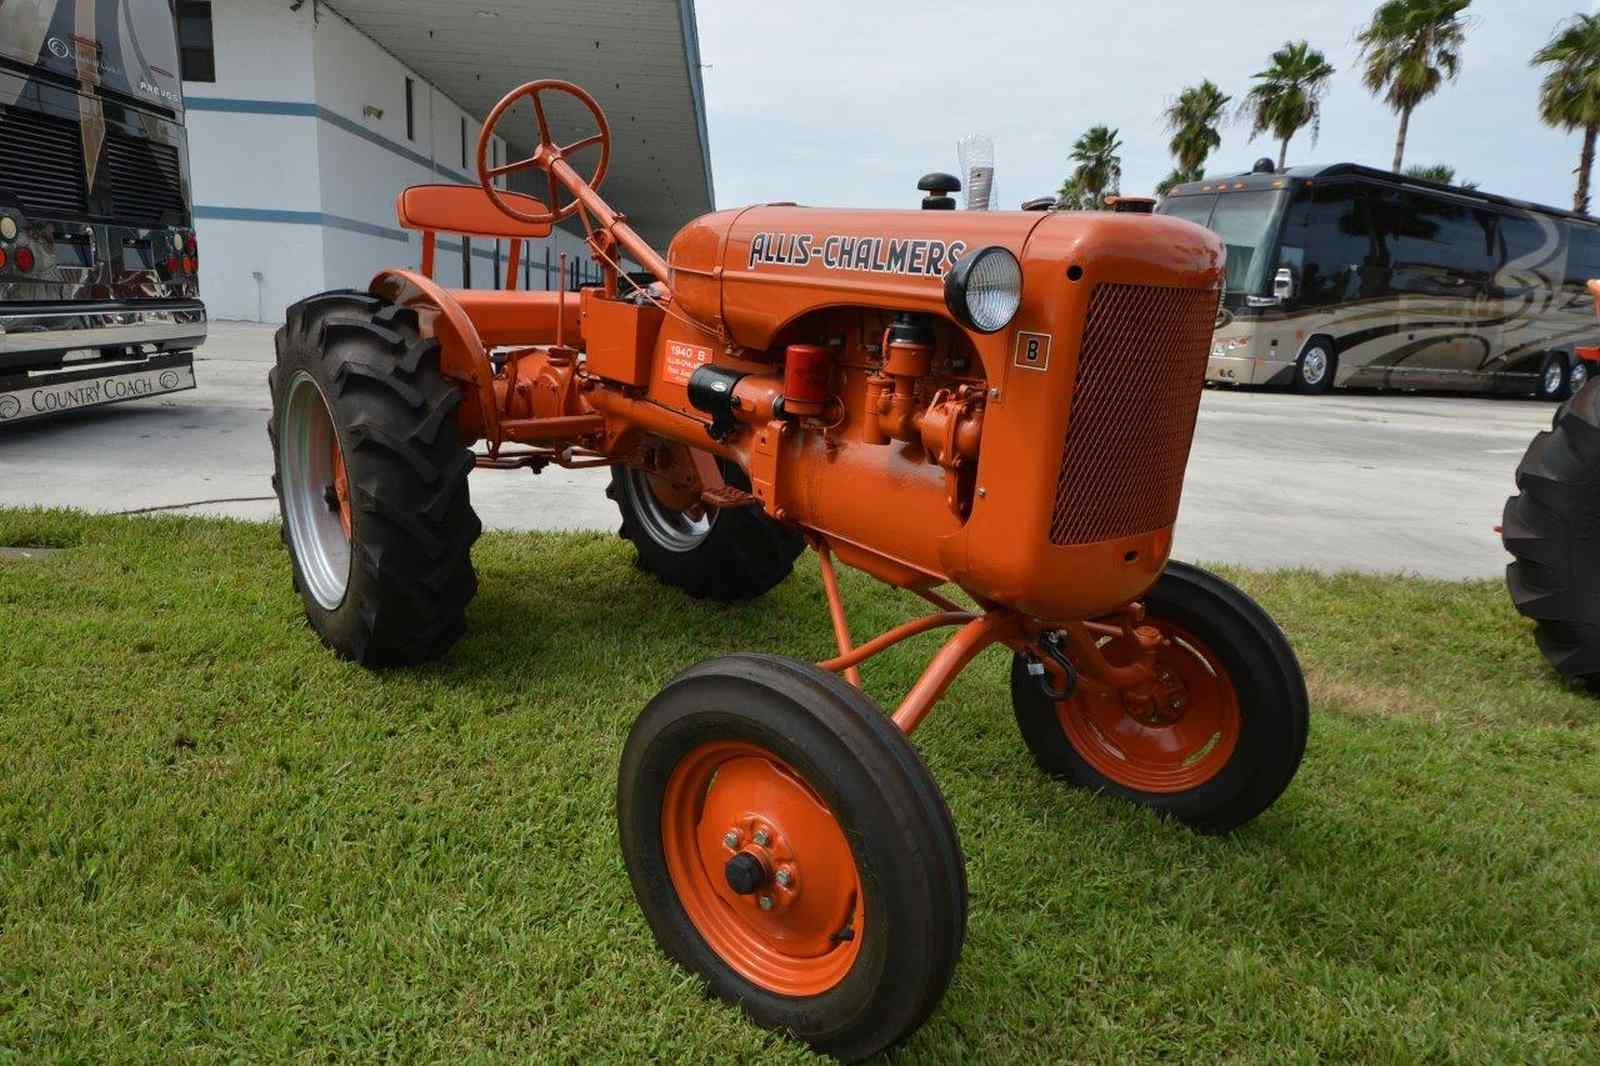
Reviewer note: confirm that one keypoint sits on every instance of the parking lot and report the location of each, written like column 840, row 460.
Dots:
column 1384, row 482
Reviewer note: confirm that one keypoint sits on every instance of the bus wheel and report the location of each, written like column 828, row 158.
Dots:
column 1553, row 377
column 1549, row 527
column 1314, row 370
column 1577, row 376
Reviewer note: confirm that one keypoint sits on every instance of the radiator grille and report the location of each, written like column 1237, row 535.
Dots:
column 41, row 162
column 146, row 180
column 1140, row 373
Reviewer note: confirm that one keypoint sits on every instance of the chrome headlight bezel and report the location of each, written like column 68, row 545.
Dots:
column 984, row 289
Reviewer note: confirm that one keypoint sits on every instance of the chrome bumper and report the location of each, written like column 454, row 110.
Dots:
column 62, row 328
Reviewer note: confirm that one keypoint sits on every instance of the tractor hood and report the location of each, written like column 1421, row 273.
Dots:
column 758, row 268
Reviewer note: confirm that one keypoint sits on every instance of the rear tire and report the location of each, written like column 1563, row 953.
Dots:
column 775, row 764
column 726, row 554
column 1553, row 378
column 1550, row 527
column 354, row 379
column 1243, row 688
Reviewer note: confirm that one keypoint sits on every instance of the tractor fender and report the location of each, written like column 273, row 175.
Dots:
column 463, row 357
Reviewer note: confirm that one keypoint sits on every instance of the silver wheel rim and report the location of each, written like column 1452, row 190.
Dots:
column 1313, row 365
column 1579, row 375
column 1552, row 378
column 674, row 530
column 305, row 470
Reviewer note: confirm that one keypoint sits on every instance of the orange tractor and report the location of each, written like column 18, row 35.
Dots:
column 997, row 401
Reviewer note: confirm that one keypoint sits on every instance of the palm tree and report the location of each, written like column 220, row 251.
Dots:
column 1442, row 173
column 1411, row 47
column 1098, row 170
column 1289, row 96
column 1179, row 176
column 1193, row 119
column 1570, row 94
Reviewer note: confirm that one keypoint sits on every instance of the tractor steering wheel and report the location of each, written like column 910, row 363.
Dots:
column 547, row 154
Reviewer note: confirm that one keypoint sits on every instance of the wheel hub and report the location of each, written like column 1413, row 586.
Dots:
column 762, row 868
column 1173, row 732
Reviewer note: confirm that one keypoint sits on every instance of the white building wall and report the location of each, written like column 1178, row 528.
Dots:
column 298, row 151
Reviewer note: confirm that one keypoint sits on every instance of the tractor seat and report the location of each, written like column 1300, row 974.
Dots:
column 466, row 209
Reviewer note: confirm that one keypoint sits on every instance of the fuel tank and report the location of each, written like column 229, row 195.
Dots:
column 759, row 268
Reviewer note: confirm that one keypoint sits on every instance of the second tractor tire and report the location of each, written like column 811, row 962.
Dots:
column 1550, row 527
column 728, row 555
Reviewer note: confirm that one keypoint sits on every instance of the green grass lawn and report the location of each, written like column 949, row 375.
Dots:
column 217, row 842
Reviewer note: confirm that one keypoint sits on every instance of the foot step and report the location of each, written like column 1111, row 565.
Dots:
column 728, row 496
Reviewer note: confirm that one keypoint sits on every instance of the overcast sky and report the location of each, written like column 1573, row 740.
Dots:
column 848, row 102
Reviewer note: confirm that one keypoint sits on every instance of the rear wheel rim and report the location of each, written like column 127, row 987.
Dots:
column 1175, row 742
column 728, row 798
column 316, row 495
column 1552, row 378
column 677, row 524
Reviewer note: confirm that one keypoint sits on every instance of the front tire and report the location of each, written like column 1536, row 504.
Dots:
column 371, row 479
column 1315, row 369
column 787, row 844
column 1228, row 733
column 726, row 554
column 1550, row 527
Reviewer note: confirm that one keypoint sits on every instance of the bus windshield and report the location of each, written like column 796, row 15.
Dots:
column 1245, row 222
column 128, row 46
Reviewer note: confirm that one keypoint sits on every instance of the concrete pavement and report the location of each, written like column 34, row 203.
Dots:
column 1386, row 482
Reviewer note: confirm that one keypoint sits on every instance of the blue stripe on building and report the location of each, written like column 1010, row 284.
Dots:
column 332, row 118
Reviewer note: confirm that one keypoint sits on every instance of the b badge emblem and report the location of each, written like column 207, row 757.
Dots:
column 1033, row 351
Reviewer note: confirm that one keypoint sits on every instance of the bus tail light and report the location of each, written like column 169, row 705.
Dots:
column 2, row 258
column 172, row 264
column 24, row 259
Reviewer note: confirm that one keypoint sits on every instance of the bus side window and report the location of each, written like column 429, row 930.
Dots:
column 1433, row 246
column 1583, row 257
column 1529, row 249
column 1333, row 235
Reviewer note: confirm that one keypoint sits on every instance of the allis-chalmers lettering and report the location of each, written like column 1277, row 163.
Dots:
column 877, row 255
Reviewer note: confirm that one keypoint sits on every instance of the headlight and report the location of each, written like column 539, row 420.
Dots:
column 985, row 289
column 1230, row 346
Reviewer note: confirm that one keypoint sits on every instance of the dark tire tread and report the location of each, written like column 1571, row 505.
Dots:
column 746, row 554
column 1550, row 528
column 413, row 522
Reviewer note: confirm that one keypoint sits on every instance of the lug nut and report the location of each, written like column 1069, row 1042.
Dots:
column 762, row 838
column 783, row 877
column 731, row 838
column 766, row 903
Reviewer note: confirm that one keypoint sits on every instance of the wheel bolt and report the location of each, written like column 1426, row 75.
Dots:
column 766, row 903
column 783, row 877
column 730, row 839
column 761, row 837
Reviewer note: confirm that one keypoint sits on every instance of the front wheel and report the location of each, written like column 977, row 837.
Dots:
column 787, row 844
column 1314, row 370
column 1224, row 732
